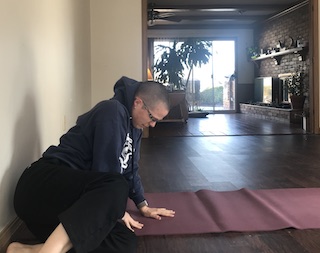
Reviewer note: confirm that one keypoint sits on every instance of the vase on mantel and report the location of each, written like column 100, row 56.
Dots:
column 297, row 102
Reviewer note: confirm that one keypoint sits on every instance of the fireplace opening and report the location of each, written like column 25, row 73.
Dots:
column 271, row 91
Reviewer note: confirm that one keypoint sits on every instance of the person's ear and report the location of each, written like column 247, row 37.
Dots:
column 137, row 101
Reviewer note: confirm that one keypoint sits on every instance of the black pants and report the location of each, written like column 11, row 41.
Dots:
column 87, row 203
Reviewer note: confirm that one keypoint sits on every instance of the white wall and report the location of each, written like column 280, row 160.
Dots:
column 44, row 80
column 45, row 73
column 116, row 44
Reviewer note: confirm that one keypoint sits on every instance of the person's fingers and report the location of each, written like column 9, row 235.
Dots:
column 155, row 216
column 158, row 212
column 136, row 224
column 166, row 212
column 128, row 225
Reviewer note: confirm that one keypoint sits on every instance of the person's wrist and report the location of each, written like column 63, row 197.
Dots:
column 144, row 210
column 142, row 204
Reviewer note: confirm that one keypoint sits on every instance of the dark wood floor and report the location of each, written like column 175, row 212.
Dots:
column 230, row 158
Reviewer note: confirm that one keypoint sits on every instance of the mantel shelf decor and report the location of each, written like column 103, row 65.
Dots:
column 301, row 51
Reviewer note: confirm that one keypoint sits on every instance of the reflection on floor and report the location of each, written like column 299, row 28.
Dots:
column 224, row 124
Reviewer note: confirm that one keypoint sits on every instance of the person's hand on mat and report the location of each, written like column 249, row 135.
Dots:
column 156, row 213
column 130, row 222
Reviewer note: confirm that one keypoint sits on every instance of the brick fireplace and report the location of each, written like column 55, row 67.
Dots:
column 272, row 113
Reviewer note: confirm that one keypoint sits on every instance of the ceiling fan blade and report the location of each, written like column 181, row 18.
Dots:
column 164, row 14
column 156, row 15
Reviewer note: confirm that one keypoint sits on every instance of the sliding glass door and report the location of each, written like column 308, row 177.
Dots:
column 211, row 86
column 214, row 83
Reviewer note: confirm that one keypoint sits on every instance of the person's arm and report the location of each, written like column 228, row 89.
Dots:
column 138, row 194
column 136, row 188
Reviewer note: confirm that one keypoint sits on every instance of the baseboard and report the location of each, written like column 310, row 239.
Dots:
column 7, row 233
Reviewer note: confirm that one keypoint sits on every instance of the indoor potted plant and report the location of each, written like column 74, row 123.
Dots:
column 296, row 88
column 169, row 67
column 178, row 57
column 194, row 53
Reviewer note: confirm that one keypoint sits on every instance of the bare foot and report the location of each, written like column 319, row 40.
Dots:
column 17, row 247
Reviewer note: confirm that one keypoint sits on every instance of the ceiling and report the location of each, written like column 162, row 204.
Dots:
column 181, row 14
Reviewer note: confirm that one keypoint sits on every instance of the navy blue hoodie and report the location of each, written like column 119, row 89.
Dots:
column 104, row 139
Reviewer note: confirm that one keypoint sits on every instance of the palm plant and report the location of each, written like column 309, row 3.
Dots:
column 169, row 68
column 174, row 59
column 195, row 53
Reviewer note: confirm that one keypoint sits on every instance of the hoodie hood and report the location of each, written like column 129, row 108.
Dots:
column 124, row 91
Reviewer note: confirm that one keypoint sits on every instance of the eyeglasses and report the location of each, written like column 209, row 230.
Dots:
column 153, row 119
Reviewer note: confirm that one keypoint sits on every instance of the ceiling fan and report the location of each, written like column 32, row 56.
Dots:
column 154, row 15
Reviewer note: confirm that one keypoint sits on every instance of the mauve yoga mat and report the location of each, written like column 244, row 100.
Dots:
column 243, row 210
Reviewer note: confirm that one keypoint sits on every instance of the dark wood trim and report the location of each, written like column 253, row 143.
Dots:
column 7, row 233
column 289, row 10
column 144, row 27
column 208, row 7
column 314, row 69
column 201, row 26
